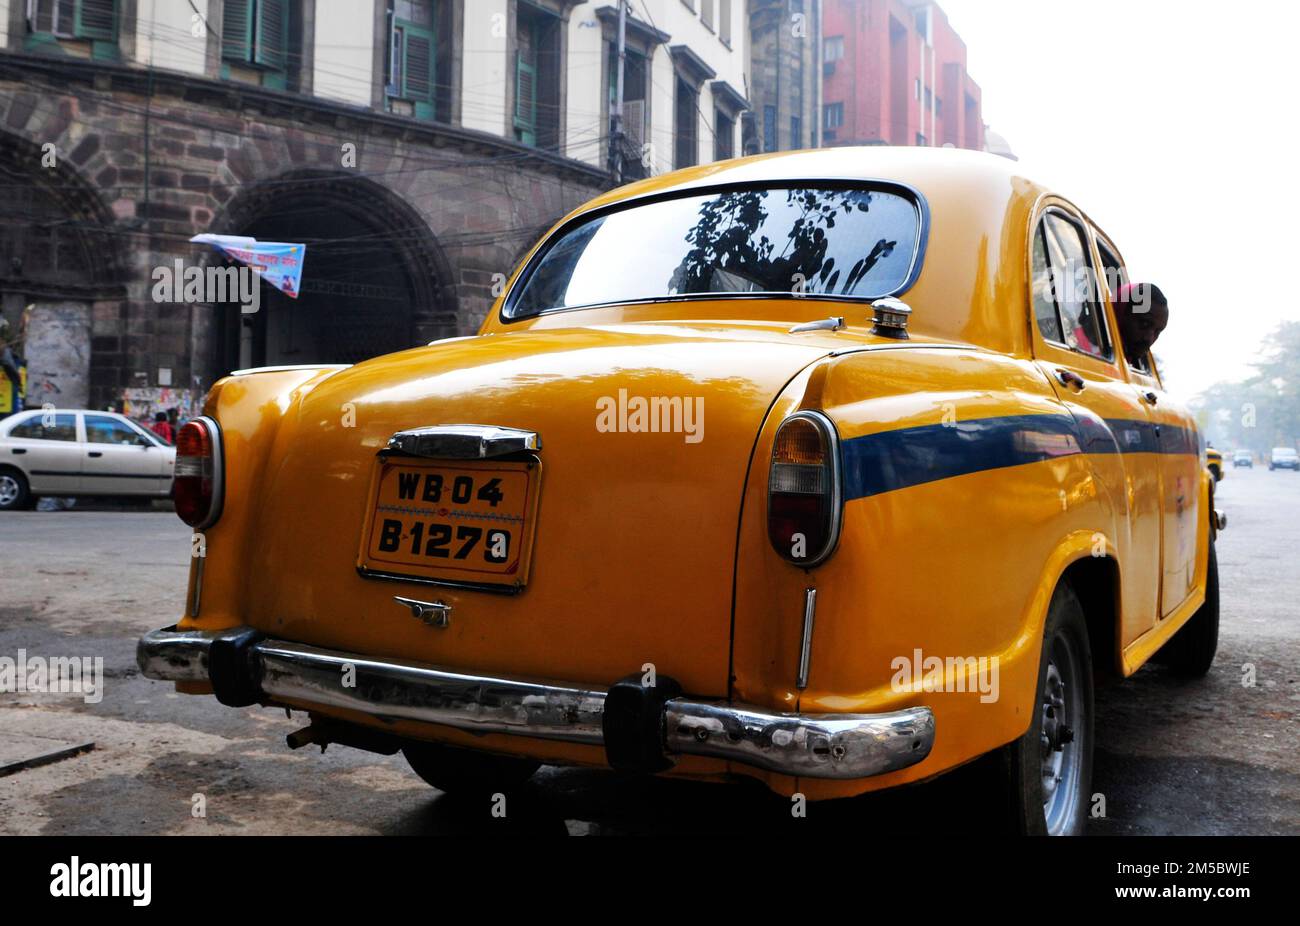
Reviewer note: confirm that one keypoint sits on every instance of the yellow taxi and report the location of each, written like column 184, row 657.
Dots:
column 828, row 468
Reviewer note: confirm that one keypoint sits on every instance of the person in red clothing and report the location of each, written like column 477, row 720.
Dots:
column 161, row 426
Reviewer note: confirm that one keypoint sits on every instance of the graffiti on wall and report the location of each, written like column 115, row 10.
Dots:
column 142, row 403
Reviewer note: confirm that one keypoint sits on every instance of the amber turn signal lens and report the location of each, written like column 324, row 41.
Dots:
column 803, row 496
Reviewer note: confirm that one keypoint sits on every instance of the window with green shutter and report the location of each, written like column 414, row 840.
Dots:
column 412, row 56
column 92, row 20
column 256, row 33
column 526, row 82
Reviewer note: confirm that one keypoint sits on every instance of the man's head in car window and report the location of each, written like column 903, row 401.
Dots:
column 1142, row 313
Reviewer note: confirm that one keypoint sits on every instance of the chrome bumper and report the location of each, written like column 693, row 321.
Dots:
column 808, row 745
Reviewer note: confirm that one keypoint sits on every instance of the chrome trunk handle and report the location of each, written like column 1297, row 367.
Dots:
column 464, row 441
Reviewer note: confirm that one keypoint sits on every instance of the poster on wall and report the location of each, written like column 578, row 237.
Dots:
column 277, row 262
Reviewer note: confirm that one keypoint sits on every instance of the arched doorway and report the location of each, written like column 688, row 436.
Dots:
column 59, row 255
column 373, row 279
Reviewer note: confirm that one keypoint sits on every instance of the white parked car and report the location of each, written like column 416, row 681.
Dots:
column 1284, row 458
column 71, row 452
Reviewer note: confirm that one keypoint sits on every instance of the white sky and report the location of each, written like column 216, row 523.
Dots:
column 1173, row 124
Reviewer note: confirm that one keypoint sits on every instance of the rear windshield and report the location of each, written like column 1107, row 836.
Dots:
column 829, row 242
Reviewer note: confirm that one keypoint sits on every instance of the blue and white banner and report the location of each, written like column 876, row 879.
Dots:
column 277, row 262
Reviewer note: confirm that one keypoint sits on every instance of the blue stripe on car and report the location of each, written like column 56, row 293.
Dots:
column 891, row 460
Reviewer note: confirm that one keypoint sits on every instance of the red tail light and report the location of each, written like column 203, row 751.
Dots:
column 197, row 484
column 803, row 489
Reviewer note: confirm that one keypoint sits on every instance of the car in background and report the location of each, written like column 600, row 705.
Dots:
column 70, row 452
column 1283, row 458
column 1214, row 462
column 1243, row 458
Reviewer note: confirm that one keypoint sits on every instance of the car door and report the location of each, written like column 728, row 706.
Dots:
column 1074, row 344
column 1176, row 448
column 1178, row 445
column 119, row 459
column 44, row 445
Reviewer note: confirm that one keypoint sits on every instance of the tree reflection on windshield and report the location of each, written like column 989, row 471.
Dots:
column 814, row 241
column 732, row 250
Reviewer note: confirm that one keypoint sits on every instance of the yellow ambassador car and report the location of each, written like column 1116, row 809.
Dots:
column 805, row 467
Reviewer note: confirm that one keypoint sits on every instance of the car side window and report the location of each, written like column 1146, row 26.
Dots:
column 45, row 427
column 1044, row 304
column 1115, row 276
column 1070, row 285
column 100, row 429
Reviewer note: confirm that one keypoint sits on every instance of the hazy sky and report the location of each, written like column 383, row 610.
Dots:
column 1173, row 124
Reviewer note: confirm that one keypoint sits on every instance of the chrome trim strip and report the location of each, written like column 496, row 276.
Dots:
column 291, row 366
column 464, row 441
column 808, row 745
column 196, row 600
column 805, row 640
column 440, row 583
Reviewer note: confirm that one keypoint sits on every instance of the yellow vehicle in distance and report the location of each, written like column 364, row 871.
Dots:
column 809, row 467
column 1214, row 463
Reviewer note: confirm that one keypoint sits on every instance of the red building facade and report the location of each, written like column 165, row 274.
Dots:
column 895, row 74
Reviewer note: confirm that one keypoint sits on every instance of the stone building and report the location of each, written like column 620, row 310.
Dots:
column 785, row 75
column 365, row 129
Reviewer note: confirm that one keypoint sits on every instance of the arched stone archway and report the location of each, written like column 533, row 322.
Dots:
column 374, row 279
column 61, row 260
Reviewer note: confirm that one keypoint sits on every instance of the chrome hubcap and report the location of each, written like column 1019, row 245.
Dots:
column 8, row 489
column 1062, row 718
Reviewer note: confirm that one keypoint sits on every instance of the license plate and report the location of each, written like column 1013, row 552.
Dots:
column 464, row 522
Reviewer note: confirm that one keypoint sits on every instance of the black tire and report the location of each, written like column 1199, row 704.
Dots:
column 465, row 771
column 1026, row 763
column 15, row 493
column 1191, row 652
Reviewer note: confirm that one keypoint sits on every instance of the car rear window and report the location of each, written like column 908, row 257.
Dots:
column 834, row 242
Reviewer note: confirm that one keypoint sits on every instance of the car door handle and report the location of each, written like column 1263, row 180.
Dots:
column 95, row 453
column 1069, row 378
column 20, row 450
column 1150, row 398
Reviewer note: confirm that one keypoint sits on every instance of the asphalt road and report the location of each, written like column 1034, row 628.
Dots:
column 1216, row 756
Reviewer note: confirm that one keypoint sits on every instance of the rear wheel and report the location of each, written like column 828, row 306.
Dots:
column 1191, row 651
column 464, row 771
column 1048, row 771
column 15, row 494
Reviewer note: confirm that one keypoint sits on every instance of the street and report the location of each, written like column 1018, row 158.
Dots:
column 1214, row 756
